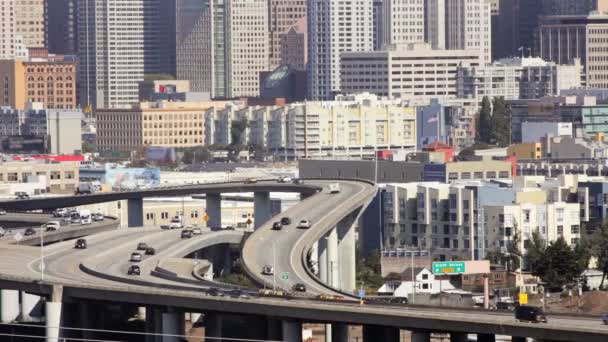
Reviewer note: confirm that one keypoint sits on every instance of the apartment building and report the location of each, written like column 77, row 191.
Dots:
column 170, row 124
column 60, row 177
column 561, row 39
column 50, row 80
column 119, row 42
column 515, row 78
column 30, row 22
column 411, row 71
column 334, row 27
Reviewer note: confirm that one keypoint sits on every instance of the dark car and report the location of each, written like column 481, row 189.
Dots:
column 150, row 251
column 605, row 319
column 277, row 226
column 186, row 234
column 213, row 292
column 134, row 270
column 235, row 293
column 81, row 244
column 29, row 231
column 285, row 221
column 142, row 246
column 528, row 313
column 299, row 287
column 505, row 306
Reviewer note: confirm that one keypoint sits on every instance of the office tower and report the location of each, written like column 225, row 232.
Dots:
column 293, row 46
column 403, row 21
column 11, row 44
column 119, row 42
column 29, row 22
column 378, row 21
column 61, row 27
column 284, row 14
column 335, row 27
column 561, row 39
column 513, row 28
column 435, row 28
column 573, row 7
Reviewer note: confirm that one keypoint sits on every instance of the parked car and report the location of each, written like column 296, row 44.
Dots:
column 81, row 244
column 505, row 306
column 29, row 231
column 142, row 246
column 267, row 270
column 285, row 221
column 136, row 257
column 213, row 291
column 134, row 270
column 186, row 234
column 277, row 226
column 304, row 224
column 527, row 313
column 299, row 287
column 51, row 226
column 150, row 251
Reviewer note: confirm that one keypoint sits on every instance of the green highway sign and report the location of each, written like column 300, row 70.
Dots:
column 448, row 267
column 285, row 275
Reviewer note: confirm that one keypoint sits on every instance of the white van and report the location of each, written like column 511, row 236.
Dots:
column 85, row 217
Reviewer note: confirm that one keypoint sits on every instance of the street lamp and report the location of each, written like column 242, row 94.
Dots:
column 274, row 264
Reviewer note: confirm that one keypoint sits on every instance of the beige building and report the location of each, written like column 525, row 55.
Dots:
column 170, row 124
column 11, row 43
column 284, row 15
column 487, row 169
column 60, row 177
column 30, row 22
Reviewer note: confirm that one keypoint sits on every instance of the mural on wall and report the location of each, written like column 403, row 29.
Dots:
column 133, row 178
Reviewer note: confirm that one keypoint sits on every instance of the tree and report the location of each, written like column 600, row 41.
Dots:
column 393, row 276
column 470, row 151
column 196, row 154
column 484, row 124
column 500, row 122
column 535, row 253
column 600, row 249
column 87, row 147
column 238, row 129
column 559, row 266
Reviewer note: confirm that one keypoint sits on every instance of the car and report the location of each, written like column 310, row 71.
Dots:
column 235, row 293
column 251, row 181
column 267, row 270
column 304, row 224
column 245, row 295
column 186, row 234
column 284, row 179
column 2, row 212
column 277, row 226
column 165, row 227
column 134, row 270
column 150, row 251
column 81, row 244
column 229, row 228
column 213, row 291
column 298, row 181
column 142, row 246
column 136, row 257
column 527, row 313
column 334, row 188
column 29, row 231
column 505, row 306
column 98, row 217
column 75, row 219
column 605, row 319
column 60, row 212
column 2, row 232
column 20, row 195
column 51, row 226
column 197, row 231
column 285, row 221
column 299, row 287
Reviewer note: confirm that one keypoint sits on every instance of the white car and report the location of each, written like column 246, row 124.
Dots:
column 51, row 226
column 284, row 179
column 304, row 224
column 267, row 270
column 2, row 212
column 197, row 231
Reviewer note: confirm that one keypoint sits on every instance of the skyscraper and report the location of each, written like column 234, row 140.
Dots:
column 284, row 14
column 29, row 22
column 61, row 27
column 335, row 26
column 573, row 7
column 11, row 44
column 119, row 42
column 514, row 26
column 403, row 21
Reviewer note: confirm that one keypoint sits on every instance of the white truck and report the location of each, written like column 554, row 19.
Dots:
column 334, row 188
column 176, row 222
column 85, row 217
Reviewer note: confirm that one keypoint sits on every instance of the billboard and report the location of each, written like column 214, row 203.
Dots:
column 133, row 178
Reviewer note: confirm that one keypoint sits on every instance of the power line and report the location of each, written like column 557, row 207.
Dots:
column 130, row 333
column 59, row 339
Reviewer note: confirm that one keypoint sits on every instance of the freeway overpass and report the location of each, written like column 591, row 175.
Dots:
column 97, row 275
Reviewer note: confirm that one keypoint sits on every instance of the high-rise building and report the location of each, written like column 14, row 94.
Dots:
column 573, row 7
column 378, row 21
column 514, row 26
column 334, row 27
column 119, row 42
column 29, row 22
column 11, row 44
column 561, row 39
column 293, row 46
column 284, row 14
column 61, row 27
column 403, row 21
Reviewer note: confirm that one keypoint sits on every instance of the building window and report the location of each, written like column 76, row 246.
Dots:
column 559, row 214
column 491, row 174
column 560, row 230
column 465, row 175
column 526, row 216
column 69, row 175
column 575, row 229
column 425, row 276
column 503, row 174
column 455, row 243
column 453, row 175
column 446, row 243
column 12, row 177
column 478, row 175
column 425, row 286
column 55, row 175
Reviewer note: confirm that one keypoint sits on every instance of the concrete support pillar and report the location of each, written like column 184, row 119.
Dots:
column 261, row 208
column 154, row 324
column 374, row 333
column 333, row 266
column 458, row 337
column 213, row 327
column 30, row 307
column 213, row 207
column 171, row 326
column 421, row 336
column 518, row 339
column 141, row 312
column 53, row 321
column 135, row 212
column 486, row 338
column 9, row 305
column 292, row 331
column 328, row 333
column 314, row 256
column 322, row 257
column 274, row 329
column 339, row 332
column 195, row 317
column 347, row 257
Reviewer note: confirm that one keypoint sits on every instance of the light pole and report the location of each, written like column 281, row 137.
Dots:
column 413, row 277
column 42, row 266
column 274, row 264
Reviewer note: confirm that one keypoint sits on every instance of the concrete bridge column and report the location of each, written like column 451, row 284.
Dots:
column 346, row 251
column 518, row 339
column 213, row 207
column 173, row 324
column 339, row 332
column 53, row 314
column 274, row 329
column 421, row 336
column 292, row 331
column 333, row 266
column 486, row 338
column 322, row 257
column 154, row 324
column 135, row 212
column 374, row 333
column 9, row 305
column 314, row 257
column 262, row 209
column 458, row 337
column 213, row 327
column 30, row 307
